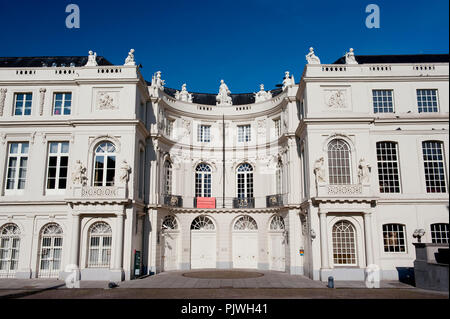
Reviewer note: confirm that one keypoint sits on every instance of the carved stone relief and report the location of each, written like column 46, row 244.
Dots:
column 2, row 100
column 107, row 100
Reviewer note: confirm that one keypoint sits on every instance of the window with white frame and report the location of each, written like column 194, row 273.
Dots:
column 439, row 233
column 17, row 165
column 167, row 178
column 382, row 101
column 394, row 238
column 203, row 180
column 58, row 160
column 169, row 128
column 388, row 167
column 344, row 245
column 62, row 103
column 100, row 240
column 433, row 161
column 204, row 133
column 339, row 162
column 277, row 123
column 22, row 103
column 9, row 250
column 244, row 133
column 427, row 100
column 51, row 251
column 105, row 164
column 278, row 178
column 245, row 181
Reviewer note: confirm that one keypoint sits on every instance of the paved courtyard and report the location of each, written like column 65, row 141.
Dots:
column 211, row 284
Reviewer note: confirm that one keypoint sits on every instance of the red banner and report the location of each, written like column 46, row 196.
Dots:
column 206, row 202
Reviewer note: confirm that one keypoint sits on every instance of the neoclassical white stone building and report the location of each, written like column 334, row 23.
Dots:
column 111, row 176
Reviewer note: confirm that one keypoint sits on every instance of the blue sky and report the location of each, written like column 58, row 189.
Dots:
column 245, row 42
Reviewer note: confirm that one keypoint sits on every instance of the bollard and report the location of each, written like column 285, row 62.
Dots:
column 330, row 282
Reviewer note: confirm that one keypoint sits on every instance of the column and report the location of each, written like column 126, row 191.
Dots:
column 119, row 242
column 324, row 240
column 368, row 237
column 74, row 251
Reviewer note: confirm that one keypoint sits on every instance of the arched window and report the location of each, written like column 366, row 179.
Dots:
column 202, row 223
column 9, row 250
column 278, row 178
column 339, row 162
column 203, row 180
column 344, row 247
column 277, row 223
column 169, row 223
column 167, row 178
column 245, row 181
column 105, row 164
column 51, row 250
column 245, row 223
column 439, row 233
column 100, row 240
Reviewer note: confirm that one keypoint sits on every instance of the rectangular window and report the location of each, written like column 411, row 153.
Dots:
column 439, row 233
column 58, row 161
column 394, row 238
column 169, row 128
column 62, row 103
column 388, row 167
column 382, row 101
column 427, row 101
column 22, row 104
column 204, row 133
column 17, row 166
column 277, row 123
column 433, row 161
column 244, row 133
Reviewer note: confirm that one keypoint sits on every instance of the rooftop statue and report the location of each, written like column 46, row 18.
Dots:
column 262, row 95
column 157, row 83
column 130, row 58
column 311, row 57
column 223, row 98
column 184, row 95
column 350, row 57
column 92, row 59
column 288, row 80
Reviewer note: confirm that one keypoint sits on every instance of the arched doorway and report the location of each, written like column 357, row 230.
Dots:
column 277, row 244
column 245, row 243
column 170, row 236
column 203, row 243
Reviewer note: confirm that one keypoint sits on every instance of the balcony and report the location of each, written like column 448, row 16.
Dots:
column 274, row 200
column 204, row 202
column 358, row 192
column 173, row 200
column 106, row 194
column 247, row 202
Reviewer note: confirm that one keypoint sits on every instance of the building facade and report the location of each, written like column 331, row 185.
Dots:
column 108, row 176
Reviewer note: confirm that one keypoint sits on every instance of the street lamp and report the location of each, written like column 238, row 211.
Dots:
column 418, row 233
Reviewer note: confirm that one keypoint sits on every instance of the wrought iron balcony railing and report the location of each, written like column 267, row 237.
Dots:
column 274, row 200
column 246, row 202
column 173, row 200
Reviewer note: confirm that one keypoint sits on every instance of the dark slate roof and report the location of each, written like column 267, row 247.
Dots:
column 405, row 58
column 210, row 99
column 39, row 61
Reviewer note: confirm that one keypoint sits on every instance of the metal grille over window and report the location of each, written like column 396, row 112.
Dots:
column 245, row 181
column 58, row 159
column 388, row 167
column 167, row 178
column 63, row 103
column 427, row 101
column 344, row 247
column 439, row 233
column 277, row 123
column 203, row 180
column 17, row 166
column 204, row 133
column 339, row 162
column 169, row 223
column 100, row 240
column 51, row 251
column 22, row 105
column 394, row 238
column 382, row 101
column 277, row 223
column 433, row 161
column 244, row 133
column 202, row 223
column 105, row 164
column 9, row 250
column 245, row 223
